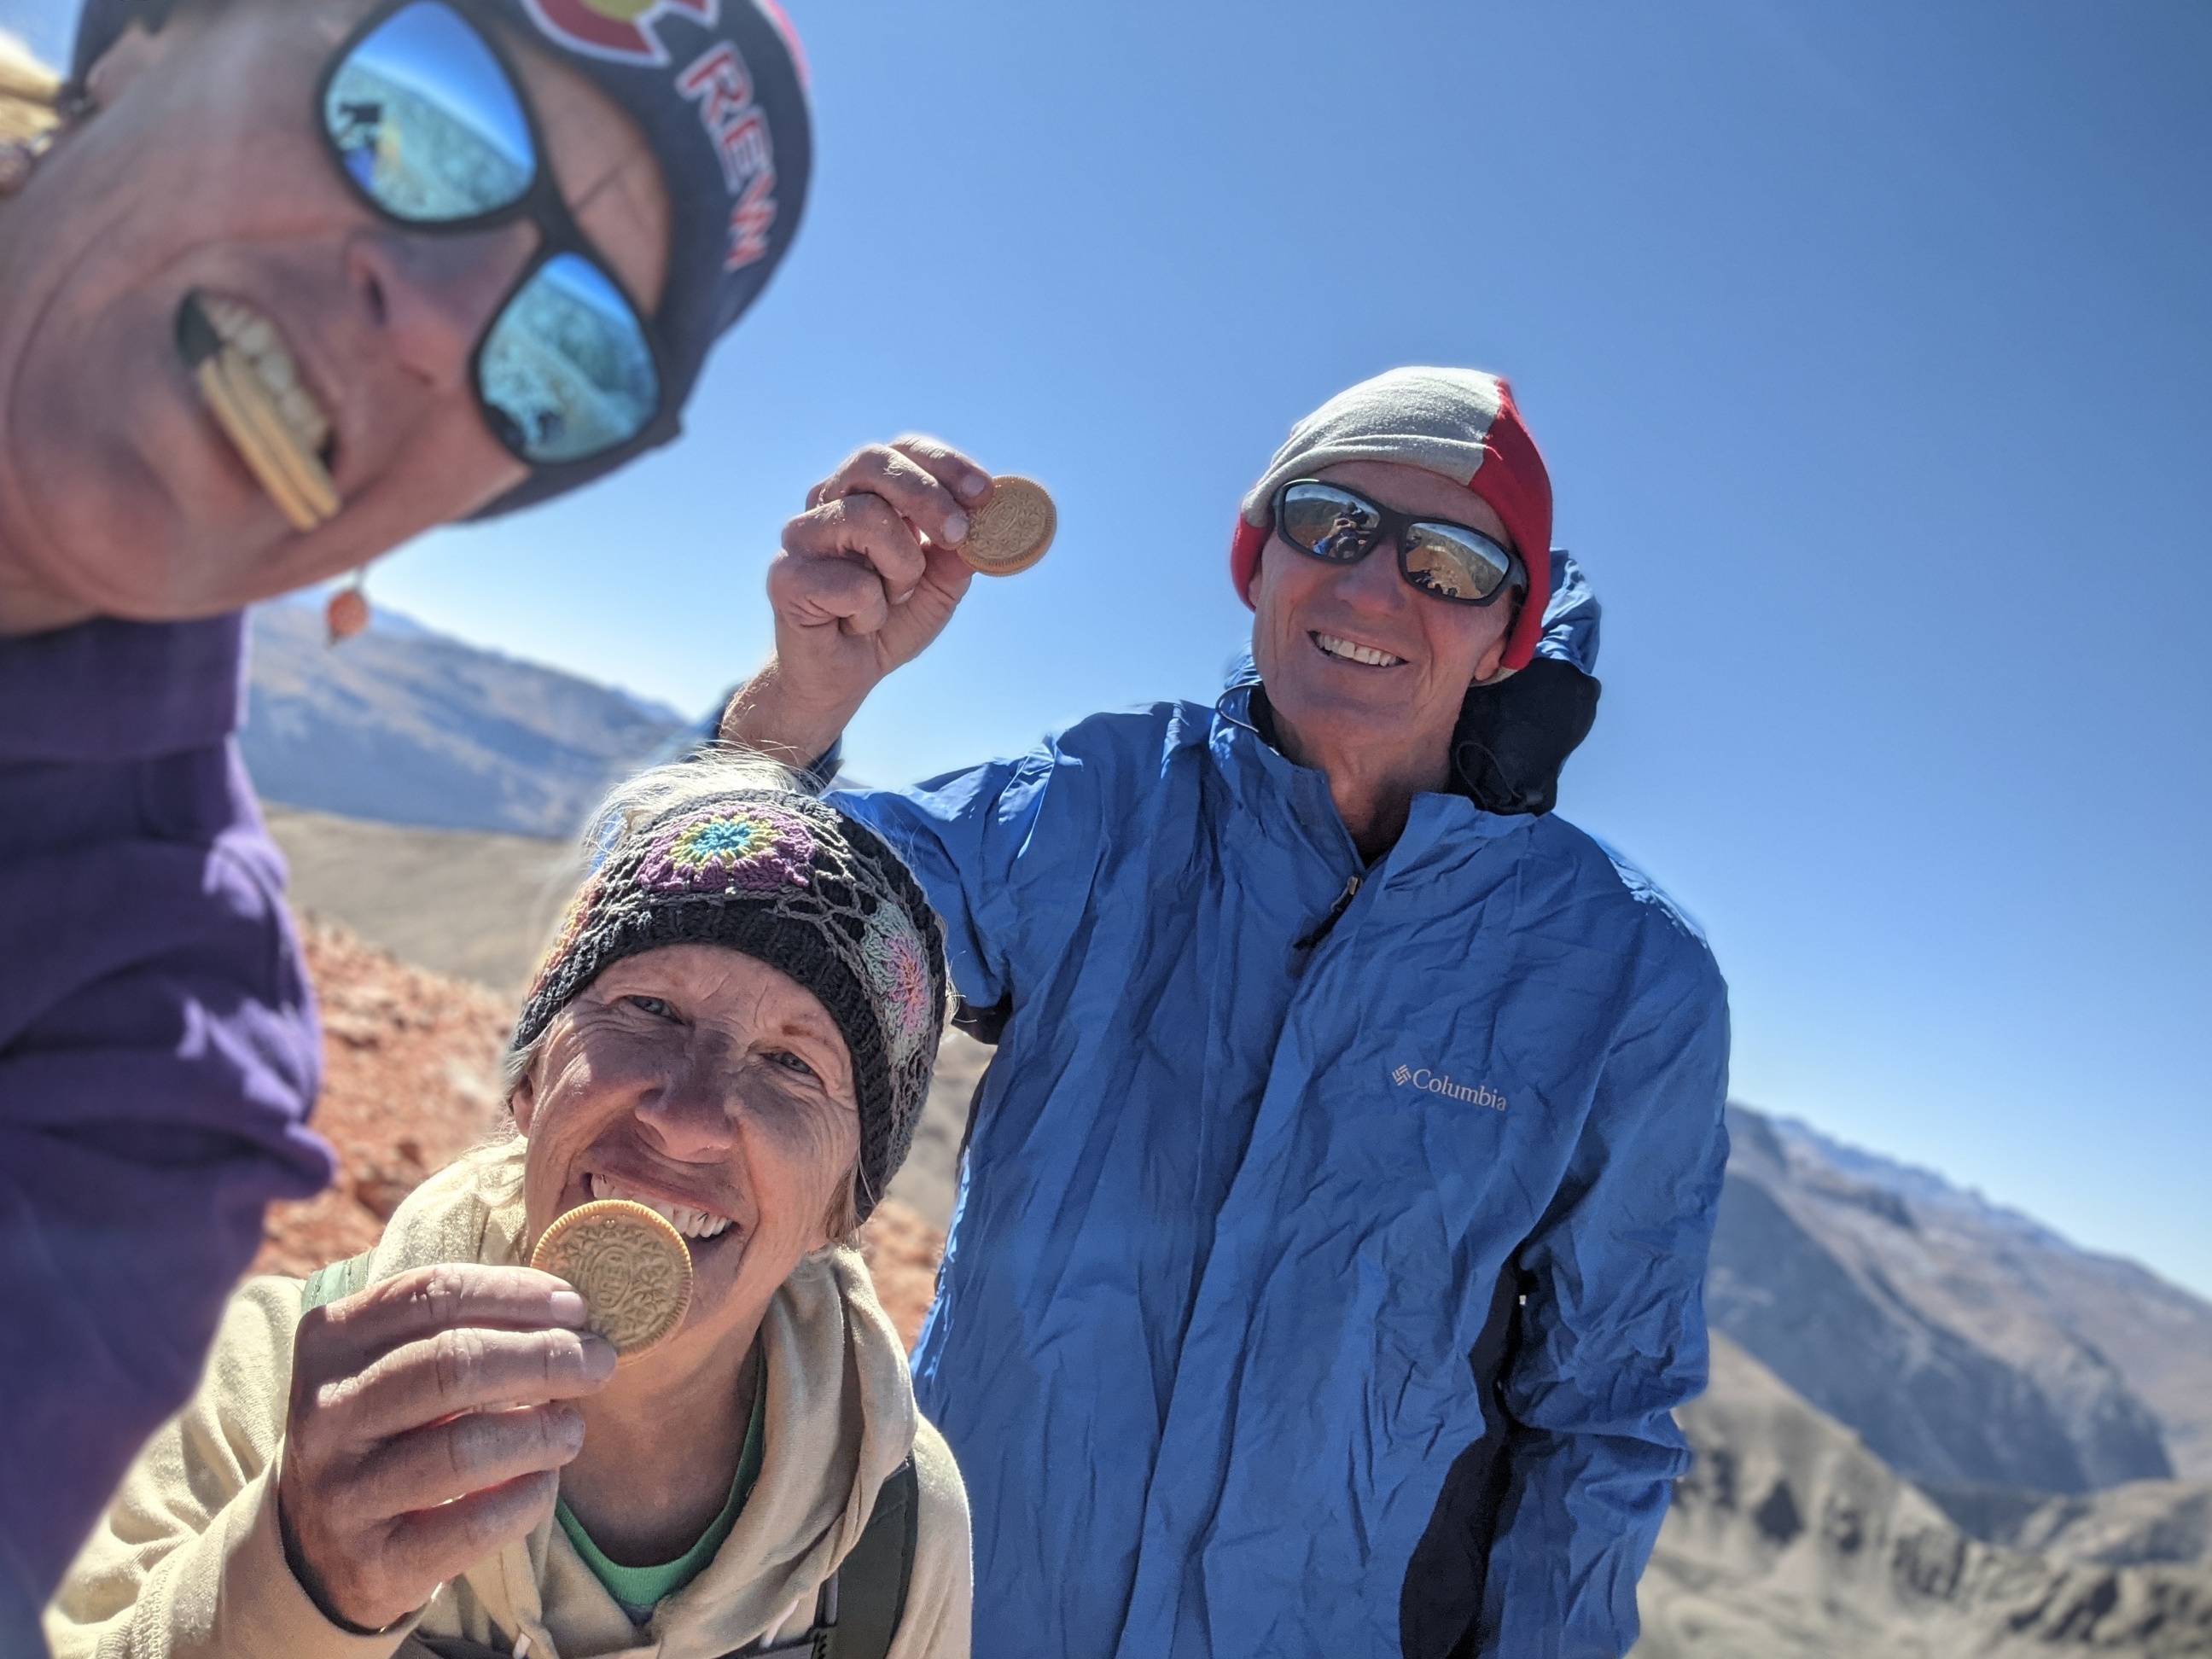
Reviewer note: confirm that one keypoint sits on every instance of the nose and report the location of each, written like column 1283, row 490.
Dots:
column 429, row 299
column 689, row 1117
column 1373, row 586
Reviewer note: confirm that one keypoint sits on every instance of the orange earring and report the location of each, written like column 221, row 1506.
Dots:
column 347, row 614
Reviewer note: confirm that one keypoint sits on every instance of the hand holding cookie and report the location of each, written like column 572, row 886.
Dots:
column 868, row 577
column 428, row 1426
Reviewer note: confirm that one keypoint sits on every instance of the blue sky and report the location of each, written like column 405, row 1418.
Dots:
column 1871, row 351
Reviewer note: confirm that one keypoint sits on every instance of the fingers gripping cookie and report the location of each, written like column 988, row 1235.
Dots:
column 1011, row 530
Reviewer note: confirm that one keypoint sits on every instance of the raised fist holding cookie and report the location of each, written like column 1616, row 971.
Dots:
column 429, row 1425
column 870, row 573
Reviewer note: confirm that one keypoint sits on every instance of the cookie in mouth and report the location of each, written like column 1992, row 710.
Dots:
column 251, row 384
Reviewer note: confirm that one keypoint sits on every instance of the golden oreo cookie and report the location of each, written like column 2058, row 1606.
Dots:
column 632, row 1268
column 274, row 425
column 1011, row 530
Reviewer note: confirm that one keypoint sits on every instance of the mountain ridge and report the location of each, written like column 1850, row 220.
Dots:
column 1789, row 1539
column 404, row 724
column 1972, row 1346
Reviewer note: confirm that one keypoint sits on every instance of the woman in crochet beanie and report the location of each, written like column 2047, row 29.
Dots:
column 428, row 1450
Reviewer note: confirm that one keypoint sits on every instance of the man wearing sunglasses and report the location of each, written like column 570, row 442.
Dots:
column 291, row 281
column 1329, row 1251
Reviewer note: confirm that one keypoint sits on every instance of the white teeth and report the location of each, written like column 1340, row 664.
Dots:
column 255, row 339
column 692, row 1224
column 1363, row 654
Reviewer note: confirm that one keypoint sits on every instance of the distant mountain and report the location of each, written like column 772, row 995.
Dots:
column 1789, row 1540
column 405, row 726
column 1973, row 1349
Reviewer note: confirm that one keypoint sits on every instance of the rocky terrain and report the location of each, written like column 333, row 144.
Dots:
column 404, row 726
column 1972, row 1348
column 1789, row 1540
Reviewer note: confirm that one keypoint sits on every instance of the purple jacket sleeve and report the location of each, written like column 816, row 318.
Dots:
column 158, row 1057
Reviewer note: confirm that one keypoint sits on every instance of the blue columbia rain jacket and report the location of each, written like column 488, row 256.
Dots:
column 1311, row 1299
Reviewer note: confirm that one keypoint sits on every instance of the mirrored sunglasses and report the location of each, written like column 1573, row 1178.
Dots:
column 425, row 117
column 1442, row 559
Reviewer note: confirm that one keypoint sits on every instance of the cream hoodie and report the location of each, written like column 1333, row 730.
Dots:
column 187, row 1560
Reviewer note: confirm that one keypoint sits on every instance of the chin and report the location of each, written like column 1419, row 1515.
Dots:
column 1353, row 712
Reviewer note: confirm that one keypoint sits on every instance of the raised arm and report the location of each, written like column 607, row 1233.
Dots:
column 867, row 578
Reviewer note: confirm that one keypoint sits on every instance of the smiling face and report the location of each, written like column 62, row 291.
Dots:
column 203, row 169
column 1357, row 664
column 716, row 1089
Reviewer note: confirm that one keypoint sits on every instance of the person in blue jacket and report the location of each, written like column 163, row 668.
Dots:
column 1329, row 1248
column 281, row 287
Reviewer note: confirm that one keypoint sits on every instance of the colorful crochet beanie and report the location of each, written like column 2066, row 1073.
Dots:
column 782, row 877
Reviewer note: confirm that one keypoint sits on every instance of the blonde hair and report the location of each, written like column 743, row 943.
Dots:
column 28, row 94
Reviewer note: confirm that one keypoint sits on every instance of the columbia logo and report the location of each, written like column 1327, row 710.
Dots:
column 1479, row 1094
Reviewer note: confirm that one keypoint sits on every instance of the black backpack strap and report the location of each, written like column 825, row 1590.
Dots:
column 339, row 1280
column 864, row 1602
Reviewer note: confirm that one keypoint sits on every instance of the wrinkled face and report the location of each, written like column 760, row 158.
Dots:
column 204, row 168
column 716, row 1089
column 1354, row 657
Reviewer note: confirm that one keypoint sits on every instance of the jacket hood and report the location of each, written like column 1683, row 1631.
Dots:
column 1514, row 737
column 840, row 1421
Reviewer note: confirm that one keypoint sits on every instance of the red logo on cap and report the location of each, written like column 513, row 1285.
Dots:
column 720, row 83
column 618, row 29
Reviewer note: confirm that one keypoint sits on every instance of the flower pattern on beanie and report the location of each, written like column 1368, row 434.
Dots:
column 754, row 849
column 898, row 973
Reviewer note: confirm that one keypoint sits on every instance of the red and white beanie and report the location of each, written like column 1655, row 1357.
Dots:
column 1458, row 422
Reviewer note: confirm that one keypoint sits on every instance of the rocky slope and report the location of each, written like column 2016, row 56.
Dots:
column 1789, row 1540
column 2156, row 1336
column 405, row 726
column 1971, row 1348
column 2141, row 1523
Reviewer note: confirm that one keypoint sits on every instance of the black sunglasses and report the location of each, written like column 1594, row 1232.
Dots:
column 425, row 117
column 1435, row 557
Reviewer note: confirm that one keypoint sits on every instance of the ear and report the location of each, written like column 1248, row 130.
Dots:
column 523, row 1102
column 1486, row 669
column 115, row 70
column 841, row 1216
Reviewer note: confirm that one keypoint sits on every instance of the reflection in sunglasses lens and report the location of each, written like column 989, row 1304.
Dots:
column 1451, row 566
column 426, row 120
column 566, row 372
column 1327, row 523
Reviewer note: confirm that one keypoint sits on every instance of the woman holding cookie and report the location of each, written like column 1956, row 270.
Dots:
column 281, row 286
column 700, row 1437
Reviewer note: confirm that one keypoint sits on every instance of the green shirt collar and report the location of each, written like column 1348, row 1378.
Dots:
column 640, row 1589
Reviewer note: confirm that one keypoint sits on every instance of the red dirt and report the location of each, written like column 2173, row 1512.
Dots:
column 411, row 1079
column 902, row 1251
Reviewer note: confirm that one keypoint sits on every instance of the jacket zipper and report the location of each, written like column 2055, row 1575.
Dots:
column 1335, row 914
